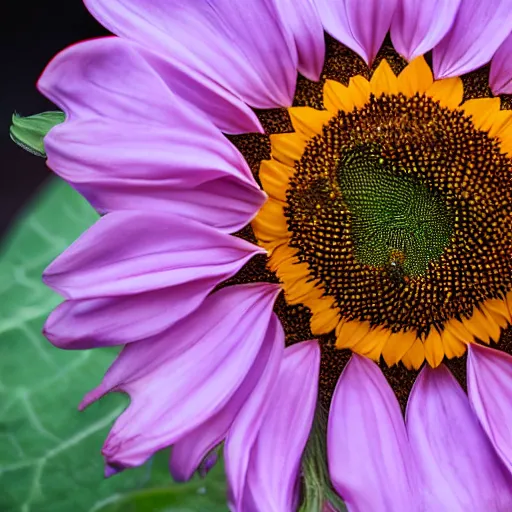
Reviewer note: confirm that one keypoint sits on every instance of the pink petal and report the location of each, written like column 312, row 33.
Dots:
column 368, row 453
column 224, row 109
column 241, row 46
column 500, row 77
column 477, row 32
column 130, row 143
column 179, row 380
column 302, row 21
column 362, row 26
column 134, row 274
column 189, row 451
column 244, row 431
column 418, row 26
column 177, row 171
column 132, row 252
column 89, row 323
column 459, row 468
column 273, row 470
column 208, row 463
column 489, row 374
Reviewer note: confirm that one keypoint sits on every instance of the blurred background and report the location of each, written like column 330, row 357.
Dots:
column 33, row 33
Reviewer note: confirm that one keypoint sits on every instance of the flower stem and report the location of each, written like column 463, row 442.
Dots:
column 317, row 489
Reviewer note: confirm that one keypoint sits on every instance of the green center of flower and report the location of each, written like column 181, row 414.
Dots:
column 396, row 219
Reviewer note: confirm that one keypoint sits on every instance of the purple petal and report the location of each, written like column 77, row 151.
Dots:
column 130, row 143
column 135, row 274
column 362, row 26
column 241, row 46
column 273, row 471
column 179, row 380
column 477, row 32
column 489, row 374
column 368, row 453
column 500, row 77
column 207, row 464
column 243, row 434
column 302, row 21
column 189, row 451
column 132, row 252
column 203, row 189
column 224, row 109
column 459, row 468
column 89, row 323
column 111, row 470
column 418, row 26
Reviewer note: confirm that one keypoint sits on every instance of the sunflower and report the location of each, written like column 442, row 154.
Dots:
column 307, row 211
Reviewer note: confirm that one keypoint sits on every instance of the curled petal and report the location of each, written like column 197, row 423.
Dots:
column 106, row 321
column 178, row 380
column 262, row 452
column 189, row 451
column 129, row 143
column 134, row 274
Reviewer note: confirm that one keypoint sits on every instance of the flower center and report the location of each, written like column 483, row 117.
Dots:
column 389, row 217
column 397, row 222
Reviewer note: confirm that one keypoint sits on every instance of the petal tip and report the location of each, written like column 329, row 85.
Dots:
column 111, row 470
column 91, row 397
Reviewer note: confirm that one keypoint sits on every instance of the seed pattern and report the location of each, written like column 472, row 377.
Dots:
column 396, row 220
column 439, row 148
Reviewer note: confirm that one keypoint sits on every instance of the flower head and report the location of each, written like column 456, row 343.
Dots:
column 297, row 220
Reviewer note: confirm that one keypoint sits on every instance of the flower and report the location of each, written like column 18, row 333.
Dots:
column 373, row 188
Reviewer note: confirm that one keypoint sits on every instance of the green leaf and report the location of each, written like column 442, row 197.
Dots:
column 29, row 132
column 199, row 495
column 50, row 458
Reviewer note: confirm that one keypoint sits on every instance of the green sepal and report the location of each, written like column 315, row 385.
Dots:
column 317, row 489
column 29, row 132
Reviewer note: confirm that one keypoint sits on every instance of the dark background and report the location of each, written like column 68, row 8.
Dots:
column 31, row 34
